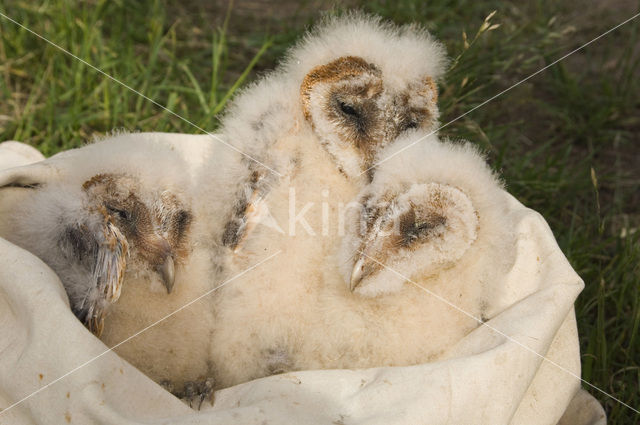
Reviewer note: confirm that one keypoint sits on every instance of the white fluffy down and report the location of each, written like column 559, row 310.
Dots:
column 53, row 198
column 295, row 312
column 270, row 109
column 474, row 213
column 403, row 53
column 299, row 306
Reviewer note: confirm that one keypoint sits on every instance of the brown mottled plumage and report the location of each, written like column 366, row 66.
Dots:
column 121, row 225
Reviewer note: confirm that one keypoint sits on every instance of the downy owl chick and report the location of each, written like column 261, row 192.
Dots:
column 343, row 93
column 115, row 221
column 431, row 215
column 347, row 90
column 432, row 209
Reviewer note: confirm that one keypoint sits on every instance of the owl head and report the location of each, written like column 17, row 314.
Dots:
column 355, row 82
column 365, row 84
column 101, row 212
column 426, row 209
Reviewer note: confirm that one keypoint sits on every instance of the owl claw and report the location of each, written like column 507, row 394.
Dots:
column 189, row 392
column 197, row 392
column 206, row 392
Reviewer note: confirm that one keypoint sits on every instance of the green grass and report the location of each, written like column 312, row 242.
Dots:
column 567, row 141
column 54, row 102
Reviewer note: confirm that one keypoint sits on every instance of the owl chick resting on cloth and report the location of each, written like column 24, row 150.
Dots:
column 342, row 100
column 115, row 219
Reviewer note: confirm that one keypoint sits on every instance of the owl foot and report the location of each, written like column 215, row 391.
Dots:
column 194, row 392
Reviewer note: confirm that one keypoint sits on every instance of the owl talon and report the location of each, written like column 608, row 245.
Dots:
column 167, row 385
column 206, row 392
column 95, row 320
column 189, row 392
column 195, row 393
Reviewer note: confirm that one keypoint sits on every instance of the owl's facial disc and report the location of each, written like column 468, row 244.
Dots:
column 126, row 227
column 420, row 230
column 355, row 113
column 389, row 229
column 155, row 226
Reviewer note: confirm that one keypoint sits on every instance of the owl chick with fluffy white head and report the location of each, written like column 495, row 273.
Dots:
column 343, row 93
column 350, row 88
column 432, row 216
column 428, row 225
column 424, row 213
column 116, row 221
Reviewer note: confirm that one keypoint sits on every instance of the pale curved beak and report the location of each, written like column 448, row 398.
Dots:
column 357, row 274
column 167, row 272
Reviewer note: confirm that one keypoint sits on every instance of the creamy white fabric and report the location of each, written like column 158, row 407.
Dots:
column 495, row 375
column 14, row 154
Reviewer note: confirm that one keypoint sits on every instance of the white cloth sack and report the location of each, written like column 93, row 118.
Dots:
column 521, row 368
column 14, row 154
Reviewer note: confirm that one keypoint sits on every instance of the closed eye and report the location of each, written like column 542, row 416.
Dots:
column 120, row 213
column 182, row 220
column 432, row 222
column 419, row 227
column 348, row 109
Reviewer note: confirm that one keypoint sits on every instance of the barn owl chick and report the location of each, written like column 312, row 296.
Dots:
column 89, row 228
column 428, row 226
column 343, row 93
column 421, row 214
column 432, row 214
column 116, row 220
